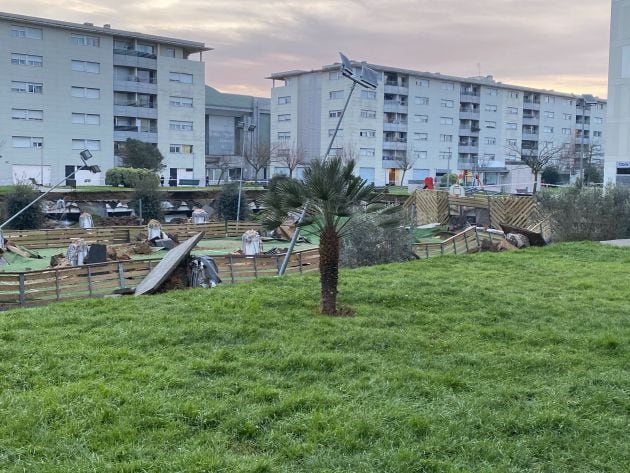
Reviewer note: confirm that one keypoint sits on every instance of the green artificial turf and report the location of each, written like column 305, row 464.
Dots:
column 512, row 362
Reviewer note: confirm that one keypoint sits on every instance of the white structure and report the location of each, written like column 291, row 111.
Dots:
column 439, row 122
column 617, row 158
column 65, row 87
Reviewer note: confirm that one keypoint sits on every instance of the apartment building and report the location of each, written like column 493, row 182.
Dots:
column 431, row 121
column 66, row 87
column 617, row 158
column 235, row 124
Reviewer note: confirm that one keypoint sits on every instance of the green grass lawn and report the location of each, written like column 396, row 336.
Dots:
column 512, row 362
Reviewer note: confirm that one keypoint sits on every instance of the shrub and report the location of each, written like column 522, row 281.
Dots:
column 227, row 203
column 148, row 196
column 550, row 175
column 129, row 177
column 368, row 242
column 141, row 155
column 587, row 213
column 20, row 196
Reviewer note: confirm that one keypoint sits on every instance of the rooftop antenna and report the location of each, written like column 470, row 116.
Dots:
column 366, row 78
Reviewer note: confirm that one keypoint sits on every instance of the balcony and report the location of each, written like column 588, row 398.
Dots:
column 469, row 149
column 531, row 121
column 133, row 58
column 390, row 162
column 470, row 97
column 135, row 84
column 395, row 145
column 137, row 111
column 396, row 89
column 397, row 125
column 467, row 163
column 530, row 136
column 531, row 105
column 147, row 137
column 468, row 131
column 468, row 114
column 395, row 106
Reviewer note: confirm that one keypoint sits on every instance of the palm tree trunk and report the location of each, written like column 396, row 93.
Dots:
column 329, row 269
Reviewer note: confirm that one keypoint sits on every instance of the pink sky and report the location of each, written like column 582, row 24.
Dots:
column 553, row 44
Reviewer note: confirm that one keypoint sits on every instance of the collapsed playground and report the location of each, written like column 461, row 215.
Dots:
column 442, row 222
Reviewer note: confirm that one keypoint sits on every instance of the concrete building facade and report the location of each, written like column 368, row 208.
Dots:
column 66, row 87
column 428, row 122
column 617, row 157
column 235, row 124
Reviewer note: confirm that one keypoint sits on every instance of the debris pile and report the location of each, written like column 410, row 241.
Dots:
column 251, row 243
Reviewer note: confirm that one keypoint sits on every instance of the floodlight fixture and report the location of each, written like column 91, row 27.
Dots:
column 85, row 155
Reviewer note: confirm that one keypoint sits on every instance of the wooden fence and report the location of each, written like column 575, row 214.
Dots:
column 470, row 240
column 58, row 238
column 437, row 206
column 30, row 288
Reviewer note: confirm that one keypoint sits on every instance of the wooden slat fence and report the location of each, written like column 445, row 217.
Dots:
column 31, row 288
column 58, row 238
column 468, row 241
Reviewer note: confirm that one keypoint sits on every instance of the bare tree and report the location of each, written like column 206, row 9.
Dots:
column 537, row 158
column 406, row 163
column 290, row 157
column 591, row 153
column 261, row 155
column 224, row 164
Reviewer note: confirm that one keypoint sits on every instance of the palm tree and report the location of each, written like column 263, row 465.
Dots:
column 332, row 193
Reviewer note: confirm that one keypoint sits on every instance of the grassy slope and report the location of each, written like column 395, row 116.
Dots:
column 480, row 363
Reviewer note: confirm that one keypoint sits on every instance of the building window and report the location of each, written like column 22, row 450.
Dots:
column 566, row 131
column 335, row 94
column 26, row 60
column 421, row 118
column 336, row 152
column 422, row 100
column 368, row 113
column 511, row 126
column 446, row 103
column 334, row 75
column 284, row 135
column 367, row 152
column 421, row 136
column 178, row 125
column 513, row 95
column 27, row 87
column 446, row 138
column 448, row 86
column 86, row 40
column 490, row 124
column 512, row 142
column 367, row 133
column 92, row 145
column 422, row 82
column 489, row 157
column 334, row 113
column 421, row 154
column 180, row 77
column 331, row 132
column 493, row 92
column 597, row 134
column 168, row 52
column 285, row 117
column 27, row 141
column 548, row 129
column 446, row 121
column 145, row 48
column 548, row 114
column 512, row 111
column 181, row 102
column 86, row 92
column 85, row 66
column 491, row 108
column 26, row 32
column 86, row 119
column 490, row 140
column 445, row 155
column 25, row 114
column 180, row 149
column 598, row 120
column 368, row 95
column 567, row 116
column 549, row 99
column 284, row 100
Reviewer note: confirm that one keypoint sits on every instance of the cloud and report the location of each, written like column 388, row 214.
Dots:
column 560, row 44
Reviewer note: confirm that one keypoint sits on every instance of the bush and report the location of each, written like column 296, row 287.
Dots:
column 550, row 175
column 148, row 195
column 587, row 213
column 129, row 177
column 20, row 196
column 141, row 155
column 367, row 242
column 227, row 203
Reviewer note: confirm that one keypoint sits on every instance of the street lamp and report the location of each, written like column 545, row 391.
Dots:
column 366, row 78
column 586, row 102
column 85, row 156
column 250, row 128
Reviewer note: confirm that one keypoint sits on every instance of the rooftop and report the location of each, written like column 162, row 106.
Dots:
column 217, row 99
column 191, row 46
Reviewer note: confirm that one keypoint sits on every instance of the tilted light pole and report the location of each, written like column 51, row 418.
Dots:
column 367, row 79
column 85, row 155
column 587, row 102
column 250, row 128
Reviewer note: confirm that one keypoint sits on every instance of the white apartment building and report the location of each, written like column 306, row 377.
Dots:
column 66, row 87
column 617, row 158
column 439, row 122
